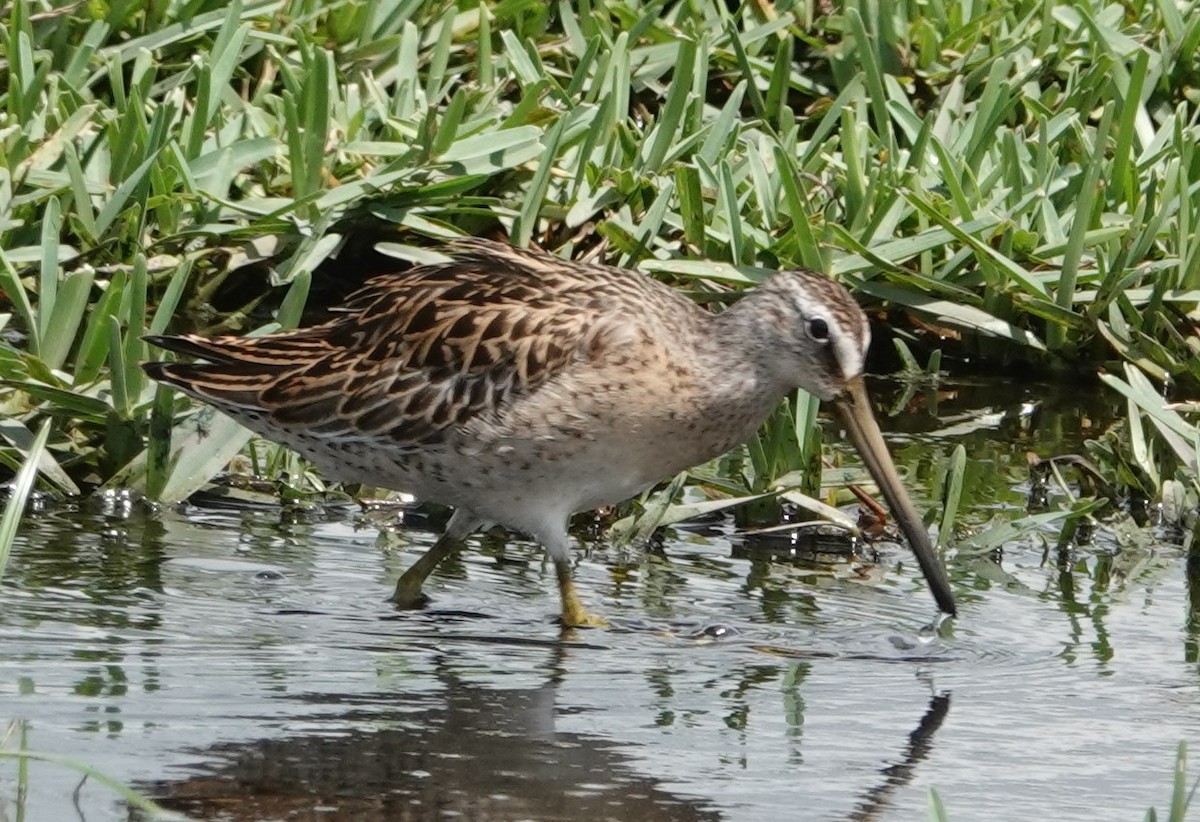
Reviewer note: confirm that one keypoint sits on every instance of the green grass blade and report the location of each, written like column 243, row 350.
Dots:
column 1081, row 222
column 873, row 75
column 526, row 222
column 953, row 494
column 670, row 118
column 19, row 492
column 186, row 28
column 292, row 307
column 169, row 302
column 691, row 206
column 69, row 309
column 1123, row 158
column 116, row 203
column 14, row 289
column 117, row 367
column 94, row 348
column 158, row 441
column 48, row 279
column 127, row 794
column 201, row 447
column 937, row 810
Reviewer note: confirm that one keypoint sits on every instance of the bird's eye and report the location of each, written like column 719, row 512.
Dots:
column 818, row 329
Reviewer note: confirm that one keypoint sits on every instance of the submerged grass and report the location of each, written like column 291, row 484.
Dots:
column 1009, row 182
column 141, row 806
column 19, row 491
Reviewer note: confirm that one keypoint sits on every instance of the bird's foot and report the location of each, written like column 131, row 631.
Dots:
column 409, row 597
column 574, row 615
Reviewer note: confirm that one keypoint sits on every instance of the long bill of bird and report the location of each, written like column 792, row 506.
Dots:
column 854, row 409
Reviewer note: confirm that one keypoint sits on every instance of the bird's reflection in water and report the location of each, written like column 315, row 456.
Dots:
column 468, row 751
column 895, row 776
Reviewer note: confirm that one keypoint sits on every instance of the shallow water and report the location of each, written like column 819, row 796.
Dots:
column 245, row 664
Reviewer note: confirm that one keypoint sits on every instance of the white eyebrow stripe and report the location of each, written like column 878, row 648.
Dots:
column 851, row 354
column 819, row 297
column 864, row 344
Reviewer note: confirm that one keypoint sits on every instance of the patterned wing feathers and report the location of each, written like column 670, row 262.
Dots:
column 410, row 354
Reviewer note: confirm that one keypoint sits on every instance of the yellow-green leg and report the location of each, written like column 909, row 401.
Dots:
column 408, row 588
column 574, row 615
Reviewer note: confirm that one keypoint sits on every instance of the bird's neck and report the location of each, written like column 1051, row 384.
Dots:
column 745, row 337
column 742, row 387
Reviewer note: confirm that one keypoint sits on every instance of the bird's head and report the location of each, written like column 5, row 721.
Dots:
column 814, row 336
column 818, row 335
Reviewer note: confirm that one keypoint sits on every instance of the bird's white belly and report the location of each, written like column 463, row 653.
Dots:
column 563, row 477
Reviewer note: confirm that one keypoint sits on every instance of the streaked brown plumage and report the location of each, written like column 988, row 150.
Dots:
column 521, row 388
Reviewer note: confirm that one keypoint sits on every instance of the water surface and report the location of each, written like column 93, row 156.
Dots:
column 245, row 664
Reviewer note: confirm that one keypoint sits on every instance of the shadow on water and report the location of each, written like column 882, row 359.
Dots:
column 245, row 664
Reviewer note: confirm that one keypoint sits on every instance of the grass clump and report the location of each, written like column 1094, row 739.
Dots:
column 1008, row 181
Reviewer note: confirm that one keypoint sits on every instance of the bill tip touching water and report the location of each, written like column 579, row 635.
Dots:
column 520, row 388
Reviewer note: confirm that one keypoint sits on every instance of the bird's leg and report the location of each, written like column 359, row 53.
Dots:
column 408, row 588
column 574, row 615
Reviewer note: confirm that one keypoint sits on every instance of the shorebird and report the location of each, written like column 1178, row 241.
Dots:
column 521, row 388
